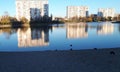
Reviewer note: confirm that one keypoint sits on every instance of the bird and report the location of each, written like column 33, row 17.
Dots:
column 56, row 50
column 71, row 49
column 112, row 52
column 95, row 48
column 71, row 45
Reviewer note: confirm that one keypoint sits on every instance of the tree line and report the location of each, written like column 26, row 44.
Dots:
column 92, row 19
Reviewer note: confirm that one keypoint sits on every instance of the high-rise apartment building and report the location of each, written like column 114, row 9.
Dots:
column 77, row 11
column 106, row 12
column 31, row 9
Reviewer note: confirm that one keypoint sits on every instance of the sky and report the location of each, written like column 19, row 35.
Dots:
column 58, row 7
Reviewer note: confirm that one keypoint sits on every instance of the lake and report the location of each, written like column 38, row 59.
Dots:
column 75, row 36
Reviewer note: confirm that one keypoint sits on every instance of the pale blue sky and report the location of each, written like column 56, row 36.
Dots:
column 58, row 7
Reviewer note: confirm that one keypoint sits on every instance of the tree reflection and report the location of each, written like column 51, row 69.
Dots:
column 8, row 32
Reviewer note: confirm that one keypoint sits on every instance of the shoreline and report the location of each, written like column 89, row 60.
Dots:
column 41, row 24
column 94, row 49
column 90, row 60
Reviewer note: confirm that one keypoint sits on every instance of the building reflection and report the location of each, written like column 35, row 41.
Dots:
column 31, row 37
column 77, row 30
column 0, row 31
column 105, row 29
column 119, row 28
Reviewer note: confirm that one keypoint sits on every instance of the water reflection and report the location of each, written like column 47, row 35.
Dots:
column 80, row 30
column 105, row 29
column 57, row 35
column 119, row 28
column 77, row 30
column 1, row 32
column 7, row 32
column 31, row 37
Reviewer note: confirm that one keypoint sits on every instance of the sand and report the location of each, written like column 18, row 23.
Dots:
column 94, row 60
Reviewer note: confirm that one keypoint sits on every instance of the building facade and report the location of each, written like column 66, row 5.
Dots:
column 106, row 12
column 77, row 11
column 31, row 9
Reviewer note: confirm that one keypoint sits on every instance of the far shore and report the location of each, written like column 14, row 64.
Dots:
column 41, row 24
column 90, row 60
column 26, row 25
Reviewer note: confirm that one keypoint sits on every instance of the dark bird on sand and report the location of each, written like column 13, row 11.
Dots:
column 95, row 48
column 71, row 45
column 71, row 49
column 112, row 52
column 56, row 50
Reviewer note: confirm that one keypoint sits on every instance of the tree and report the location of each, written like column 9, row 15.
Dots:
column 5, row 20
column 74, row 19
column 118, row 18
column 114, row 19
column 99, row 18
column 80, row 19
column 103, row 19
column 83, row 19
column 94, row 18
column 24, row 20
column 89, row 19
column 13, row 19
column 109, row 18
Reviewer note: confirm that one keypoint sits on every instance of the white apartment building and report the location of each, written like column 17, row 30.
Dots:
column 31, row 9
column 77, row 11
column 106, row 12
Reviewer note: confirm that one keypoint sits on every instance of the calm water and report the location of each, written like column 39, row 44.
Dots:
column 61, row 37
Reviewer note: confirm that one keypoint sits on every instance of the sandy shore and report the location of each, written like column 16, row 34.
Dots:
column 100, row 60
